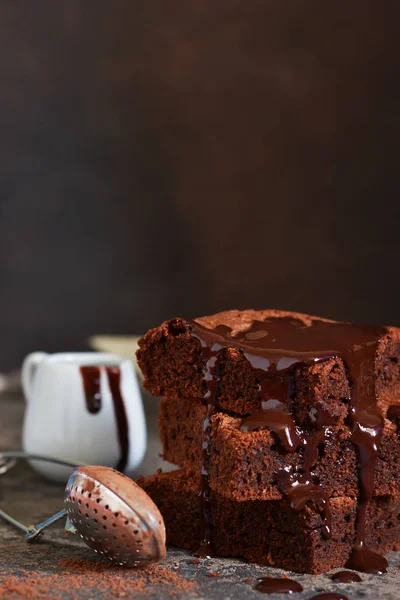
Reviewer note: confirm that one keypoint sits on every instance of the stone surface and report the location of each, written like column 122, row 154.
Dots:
column 31, row 499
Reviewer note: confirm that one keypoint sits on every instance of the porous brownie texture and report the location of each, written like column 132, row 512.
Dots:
column 244, row 463
column 172, row 363
column 271, row 532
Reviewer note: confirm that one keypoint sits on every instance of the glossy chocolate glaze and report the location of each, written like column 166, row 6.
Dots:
column 346, row 577
column 298, row 487
column 270, row 585
column 274, row 349
column 92, row 387
column 276, row 417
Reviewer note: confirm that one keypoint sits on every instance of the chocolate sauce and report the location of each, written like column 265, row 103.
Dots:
column 329, row 596
column 298, row 487
column 114, row 381
column 270, row 585
column 274, row 349
column 346, row 577
column 92, row 386
column 276, row 417
column 365, row 560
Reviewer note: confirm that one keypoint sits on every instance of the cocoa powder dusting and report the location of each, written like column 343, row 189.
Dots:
column 77, row 574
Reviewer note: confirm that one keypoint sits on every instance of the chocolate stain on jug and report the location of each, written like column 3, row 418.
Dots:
column 91, row 378
column 91, row 386
column 114, row 381
column 275, row 348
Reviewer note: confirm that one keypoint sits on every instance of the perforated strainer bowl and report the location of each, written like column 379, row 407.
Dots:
column 114, row 516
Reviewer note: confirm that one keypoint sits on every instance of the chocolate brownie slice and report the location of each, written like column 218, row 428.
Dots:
column 172, row 360
column 270, row 532
column 301, row 378
column 245, row 464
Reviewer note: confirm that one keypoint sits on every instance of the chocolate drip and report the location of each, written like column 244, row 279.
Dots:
column 362, row 558
column 91, row 385
column 274, row 349
column 114, row 381
column 366, row 436
column 276, row 417
column 270, row 585
column 346, row 577
column 329, row 596
column 298, row 487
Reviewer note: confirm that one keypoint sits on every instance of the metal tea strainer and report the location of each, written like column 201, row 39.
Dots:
column 111, row 513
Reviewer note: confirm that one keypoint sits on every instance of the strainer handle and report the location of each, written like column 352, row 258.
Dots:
column 34, row 531
column 8, row 458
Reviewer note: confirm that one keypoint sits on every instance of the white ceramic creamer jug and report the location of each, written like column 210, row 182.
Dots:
column 82, row 407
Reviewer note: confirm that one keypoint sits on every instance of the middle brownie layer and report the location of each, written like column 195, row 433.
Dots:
column 245, row 463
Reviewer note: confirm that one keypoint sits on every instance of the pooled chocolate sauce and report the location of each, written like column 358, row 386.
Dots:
column 346, row 577
column 365, row 560
column 270, row 585
column 274, row 349
column 329, row 596
column 92, row 386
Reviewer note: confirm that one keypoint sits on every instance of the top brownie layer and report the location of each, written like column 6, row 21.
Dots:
column 173, row 364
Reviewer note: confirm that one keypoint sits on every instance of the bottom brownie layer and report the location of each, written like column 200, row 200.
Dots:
column 270, row 532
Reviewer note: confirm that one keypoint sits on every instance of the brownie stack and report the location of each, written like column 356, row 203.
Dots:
column 284, row 427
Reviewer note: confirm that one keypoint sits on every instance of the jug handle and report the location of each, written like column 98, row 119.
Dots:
column 29, row 367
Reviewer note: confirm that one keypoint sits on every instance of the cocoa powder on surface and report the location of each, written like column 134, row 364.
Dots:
column 80, row 578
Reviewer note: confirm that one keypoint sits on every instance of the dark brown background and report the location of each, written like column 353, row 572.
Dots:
column 181, row 157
